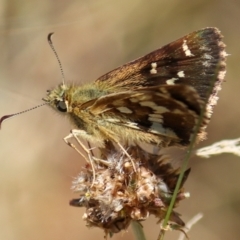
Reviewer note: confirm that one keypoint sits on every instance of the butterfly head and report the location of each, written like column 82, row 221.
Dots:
column 57, row 98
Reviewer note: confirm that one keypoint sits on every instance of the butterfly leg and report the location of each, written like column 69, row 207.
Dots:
column 126, row 153
column 75, row 133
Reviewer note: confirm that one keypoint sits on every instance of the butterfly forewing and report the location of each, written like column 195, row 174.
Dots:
column 196, row 59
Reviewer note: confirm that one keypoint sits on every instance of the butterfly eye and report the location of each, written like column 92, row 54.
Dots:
column 61, row 106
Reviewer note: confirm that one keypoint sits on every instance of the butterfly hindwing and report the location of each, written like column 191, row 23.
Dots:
column 170, row 111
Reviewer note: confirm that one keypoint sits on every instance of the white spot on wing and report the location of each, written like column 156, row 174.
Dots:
column 155, row 118
column 224, row 54
column 181, row 74
column 147, row 104
column 154, row 66
column 160, row 109
column 186, row 49
column 206, row 64
column 158, row 128
column 124, row 110
column 207, row 56
column 205, row 48
column 171, row 81
column 221, row 74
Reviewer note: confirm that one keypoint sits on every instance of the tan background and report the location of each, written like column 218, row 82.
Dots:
column 93, row 37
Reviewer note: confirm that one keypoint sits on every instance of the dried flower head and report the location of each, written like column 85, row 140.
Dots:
column 120, row 194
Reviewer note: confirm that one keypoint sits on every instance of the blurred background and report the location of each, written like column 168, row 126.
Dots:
column 91, row 38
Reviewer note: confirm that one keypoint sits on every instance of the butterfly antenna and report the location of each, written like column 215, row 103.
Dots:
column 15, row 114
column 56, row 55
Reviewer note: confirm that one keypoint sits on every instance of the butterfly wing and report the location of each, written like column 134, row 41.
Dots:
column 197, row 59
column 163, row 111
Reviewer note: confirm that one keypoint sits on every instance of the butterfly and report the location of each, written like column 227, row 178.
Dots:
column 155, row 99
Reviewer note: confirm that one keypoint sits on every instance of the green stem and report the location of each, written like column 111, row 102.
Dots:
column 138, row 230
